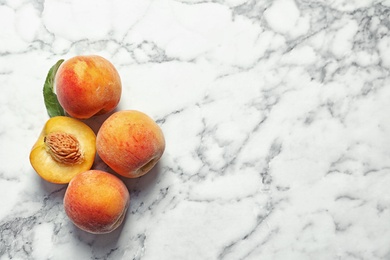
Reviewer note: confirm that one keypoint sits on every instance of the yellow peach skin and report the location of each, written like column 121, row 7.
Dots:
column 88, row 85
column 96, row 201
column 65, row 147
column 130, row 143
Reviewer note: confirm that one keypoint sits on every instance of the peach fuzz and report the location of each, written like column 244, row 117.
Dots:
column 96, row 201
column 65, row 147
column 130, row 143
column 87, row 85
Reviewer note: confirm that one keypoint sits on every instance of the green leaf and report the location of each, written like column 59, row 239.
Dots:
column 53, row 107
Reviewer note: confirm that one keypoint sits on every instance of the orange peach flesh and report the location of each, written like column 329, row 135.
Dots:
column 130, row 143
column 88, row 86
column 96, row 201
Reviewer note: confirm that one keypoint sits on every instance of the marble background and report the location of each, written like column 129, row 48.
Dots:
column 275, row 113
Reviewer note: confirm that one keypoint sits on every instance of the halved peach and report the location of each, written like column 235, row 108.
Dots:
column 65, row 147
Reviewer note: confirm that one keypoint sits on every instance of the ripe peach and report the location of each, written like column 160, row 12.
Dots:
column 65, row 147
column 96, row 201
column 130, row 142
column 87, row 86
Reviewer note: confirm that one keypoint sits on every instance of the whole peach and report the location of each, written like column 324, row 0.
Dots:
column 130, row 142
column 96, row 201
column 87, row 85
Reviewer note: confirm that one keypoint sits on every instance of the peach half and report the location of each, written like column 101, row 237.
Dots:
column 130, row 143
column 65, row 147
column 96, row 201
column 87, row 85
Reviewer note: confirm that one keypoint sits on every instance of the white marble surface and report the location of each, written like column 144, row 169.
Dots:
column 276, row 117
